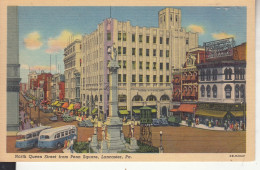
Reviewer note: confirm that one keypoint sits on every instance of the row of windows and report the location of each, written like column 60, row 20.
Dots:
column 123, row 65
column 65, row 133
column 239, row 91
column 167, row 53
column 141, row 78
column 206, row 75
column 92, row 98
column 140, row 38
column 70, row 50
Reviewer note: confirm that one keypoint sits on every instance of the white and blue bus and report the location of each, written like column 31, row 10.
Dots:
column 29, row 138
column 55, row 137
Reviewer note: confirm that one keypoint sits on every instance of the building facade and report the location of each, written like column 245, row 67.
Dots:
column 72, row 62
column 145, row 55
column 55, row 86
column 23, row 87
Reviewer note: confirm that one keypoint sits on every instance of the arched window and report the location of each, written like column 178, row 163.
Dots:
column 208, row 74
column 202, row 90
column 137, row 98
column 236, row 74
column 237, row 91
column 229, row 73
column 226, row 74
column 242, row 74
column 121, row 98
column 165, row 98
column 215, row 91
column 208, row 90
column 96, row 98
column 151, row 98
column 242, row 91
column 228, row 90
column 202, row 75
column 215, row 73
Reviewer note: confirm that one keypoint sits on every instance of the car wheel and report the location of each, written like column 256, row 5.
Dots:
column 58, row 145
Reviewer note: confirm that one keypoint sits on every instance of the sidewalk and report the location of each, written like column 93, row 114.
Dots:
column 202, row 126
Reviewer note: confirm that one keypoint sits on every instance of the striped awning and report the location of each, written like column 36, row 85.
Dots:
column 238, row 113
column 211, row 113
column 55, row 103
column 77, row 106
column 136, row 111
column 94, row 111
column 71, row 107
column 65, row 105
column 154, row 110
column 85, row 109
column 123, row 112
column 81, row 109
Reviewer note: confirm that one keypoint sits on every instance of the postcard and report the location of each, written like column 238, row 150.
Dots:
column 127, row 81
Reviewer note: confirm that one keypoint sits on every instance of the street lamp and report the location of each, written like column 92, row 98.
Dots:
column 89, row 139
column 161, row 147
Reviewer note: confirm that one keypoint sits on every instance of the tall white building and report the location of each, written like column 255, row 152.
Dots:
column 145, row 55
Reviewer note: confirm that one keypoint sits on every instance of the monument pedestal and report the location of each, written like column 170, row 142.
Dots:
column 133, row 144
column 103, row 148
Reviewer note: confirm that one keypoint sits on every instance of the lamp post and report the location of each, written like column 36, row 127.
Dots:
column 161, row 147
column 89, row 139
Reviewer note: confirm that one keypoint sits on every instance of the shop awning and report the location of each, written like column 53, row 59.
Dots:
column 59, row 104
column 85, row 109
column 145, row 108
column 71, row 107
column 82, row 108
column 77, row 106
column 65, row 105
column 136, row 111
column 238, row 113
column 174, row 110
column 154, row 110
column 211, row 113
column 123, row 112
column 94, row 111
column 185, row 108
column 55, row 103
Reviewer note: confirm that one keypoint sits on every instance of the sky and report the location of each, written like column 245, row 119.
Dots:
column 44, row 31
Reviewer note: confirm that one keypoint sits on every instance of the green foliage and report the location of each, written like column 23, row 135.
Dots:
column 82, row 147
column 144, row 148
column 127, row 140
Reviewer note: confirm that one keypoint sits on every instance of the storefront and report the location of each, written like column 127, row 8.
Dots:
column 185, row 111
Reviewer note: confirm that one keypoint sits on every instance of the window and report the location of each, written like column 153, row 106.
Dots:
column 147, row 78
column 215, row 73
column 147, row 39
column 167, row 53
column 161, row 53
column 228, row 90
column 242, row 74
column 208, row 90
column 208, row 75
column 229, row 73
column 133, row 78
column 58, row 135
column 226, row 74
column 119, row 77
column 154, row 40
column 147, row 52
column 34, row 134
column 214, row 89
column 62, row 134
column 154, row 78
column 133, row 51
column 140, row 78
column 167, row 66
column 237, row 91
column 154, row 65
column 202, row 90
column 140, row 52
column 124, row 77
column 242, row 91
column 119, row 36
column 167, row 41
column 124, row 36
column 100, row 98
column 236, row 73
column 133, row 65
column 147, row 65
column 109, row 36
column 140, row 65
column 133, row 37
column 161, row 40
column 66, row 133
column 154, row 52
column 119, row 63
column 140, row 38
column 167, row 78
column 124, row 64
column 124, row 50
column 161, row 78
column 187, row 41
column 119, row 50
column 161, row 66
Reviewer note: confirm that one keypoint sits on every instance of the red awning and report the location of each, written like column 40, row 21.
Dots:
column 65, row 105
column 185, row 108
column 77, row 106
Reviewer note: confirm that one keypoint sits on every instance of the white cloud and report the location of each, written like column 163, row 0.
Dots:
column 222, row 35
column 33, row 41
column 196, row 28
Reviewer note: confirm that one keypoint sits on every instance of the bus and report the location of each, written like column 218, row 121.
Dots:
column 29, row 138
column 55, row 137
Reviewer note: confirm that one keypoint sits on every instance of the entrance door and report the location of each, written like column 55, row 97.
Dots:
column 164, row 111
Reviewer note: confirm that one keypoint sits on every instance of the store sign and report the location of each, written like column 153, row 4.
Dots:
column 122, row 107
column 219, row 48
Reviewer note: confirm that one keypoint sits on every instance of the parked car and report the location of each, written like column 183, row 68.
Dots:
column 68, row 118
column 163, row 122
column 53, row 118
column 174, row 121
column 155, row 122
column 85, row 123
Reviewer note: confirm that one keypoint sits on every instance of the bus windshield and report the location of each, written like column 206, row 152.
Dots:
column 28, row 136
column 20, row 137
column 44, row 137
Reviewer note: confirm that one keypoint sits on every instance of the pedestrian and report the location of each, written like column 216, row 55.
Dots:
column 65, row 143
column 209, row 124
column 71, row 145
column 68, row 143
column 225, row 126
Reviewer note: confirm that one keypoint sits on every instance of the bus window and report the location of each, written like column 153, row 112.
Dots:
column 55, row 136
column 62, row 134
column 66, row 133
column 38, row 133
column 44, row 137
column 34, row 134
column 70, row 132
column 20, row 137
column 28, row 136
column 73, row 131
column 58, row 135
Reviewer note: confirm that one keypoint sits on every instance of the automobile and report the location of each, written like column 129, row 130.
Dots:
column 85, row 123
column 53, row 118
column 174, row 121
column 68, row 118
column 163, row 122
column 155, row 122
